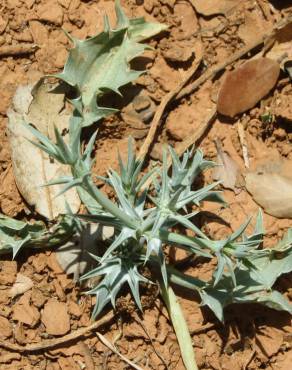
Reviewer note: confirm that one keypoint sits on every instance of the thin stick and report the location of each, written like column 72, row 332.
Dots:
column 114, row 350
column 51, row 343
column 164, row 103
column 204, row 329
column 18, row 49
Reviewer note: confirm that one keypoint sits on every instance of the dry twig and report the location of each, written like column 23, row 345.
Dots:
column 164, row 103
column 51, row 343
column 19, row 49
column 204, row 328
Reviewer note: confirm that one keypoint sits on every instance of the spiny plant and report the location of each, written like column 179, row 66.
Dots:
column 144, row 221
column 244, row 273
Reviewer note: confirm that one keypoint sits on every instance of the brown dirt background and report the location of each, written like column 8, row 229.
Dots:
column 253, row 337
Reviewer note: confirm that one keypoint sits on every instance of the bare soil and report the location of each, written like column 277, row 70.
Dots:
column 252, row 337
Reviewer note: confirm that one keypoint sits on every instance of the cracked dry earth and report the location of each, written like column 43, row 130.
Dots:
column 51, row 304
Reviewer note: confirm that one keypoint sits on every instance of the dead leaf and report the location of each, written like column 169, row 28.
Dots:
column 212, row 7
column 271, row 187
column 22, row 284
column 227, row 170
column 244, row 87
column 32, row 167
column 55, row 317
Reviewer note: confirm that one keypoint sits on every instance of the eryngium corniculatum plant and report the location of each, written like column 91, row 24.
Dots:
column 144, row 221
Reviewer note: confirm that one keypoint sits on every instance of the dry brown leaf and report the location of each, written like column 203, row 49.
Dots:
column 227, row 170
column 271, row 187
column 244, row 87
column 211, row 7
column 22, row 284
column 32, row 167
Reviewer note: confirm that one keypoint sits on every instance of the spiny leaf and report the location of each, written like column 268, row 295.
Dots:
column 101, row 63
column 15, row 235
column 116, row 272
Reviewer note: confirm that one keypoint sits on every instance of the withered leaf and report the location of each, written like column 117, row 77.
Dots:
column 227, row 170
column 22, row 284
column 244, row 87
column 32, row 167
column 271, row 187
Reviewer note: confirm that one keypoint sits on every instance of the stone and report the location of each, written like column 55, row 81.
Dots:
column 55, row 317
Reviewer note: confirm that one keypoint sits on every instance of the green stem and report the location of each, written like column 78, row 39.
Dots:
column 180, row 327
